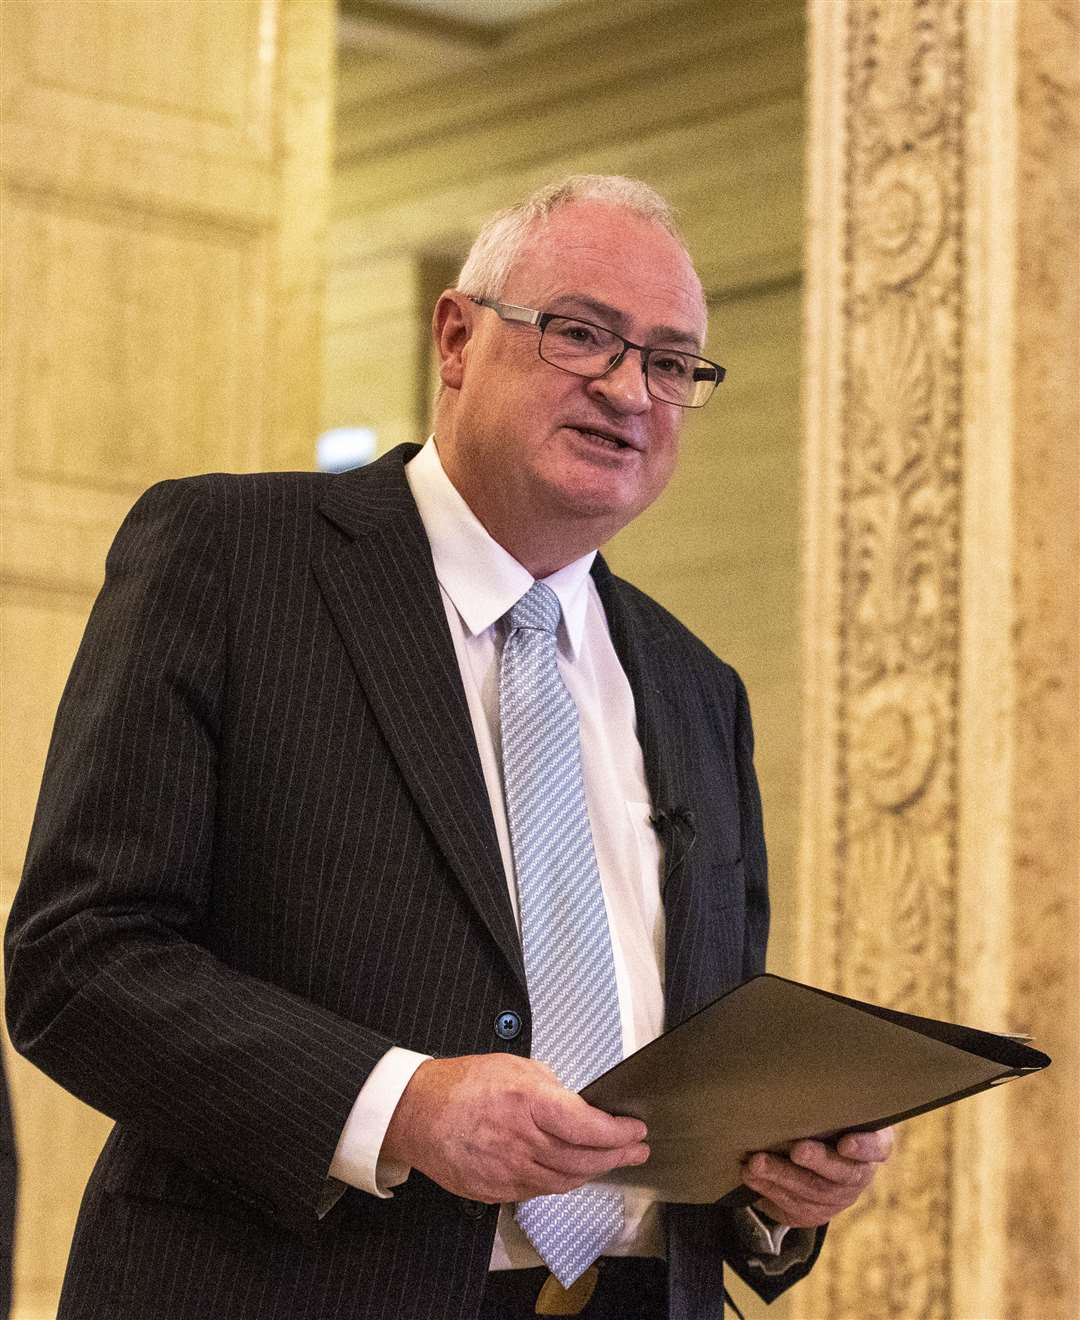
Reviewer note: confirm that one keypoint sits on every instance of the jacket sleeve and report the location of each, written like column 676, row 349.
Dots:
column 755, row 867
column 110, row 991
column 742, row 1244
column 767, row 1274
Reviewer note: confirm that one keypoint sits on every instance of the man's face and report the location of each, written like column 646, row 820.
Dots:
column 532, row 442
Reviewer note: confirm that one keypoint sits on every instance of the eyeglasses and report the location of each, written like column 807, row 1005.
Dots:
column 585, row 349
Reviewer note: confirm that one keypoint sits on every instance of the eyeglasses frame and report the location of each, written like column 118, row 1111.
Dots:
column 530, row 316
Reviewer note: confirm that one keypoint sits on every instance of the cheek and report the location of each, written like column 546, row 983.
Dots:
column 665, row 451
column 655, row 477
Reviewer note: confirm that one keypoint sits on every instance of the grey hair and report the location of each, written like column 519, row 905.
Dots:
column 501, row 238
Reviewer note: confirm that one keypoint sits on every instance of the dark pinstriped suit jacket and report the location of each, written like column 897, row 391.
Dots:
column 264, row 853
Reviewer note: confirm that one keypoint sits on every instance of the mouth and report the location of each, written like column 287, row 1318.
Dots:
column 608, row 439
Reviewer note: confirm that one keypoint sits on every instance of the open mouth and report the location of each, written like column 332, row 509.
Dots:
column 606, row 438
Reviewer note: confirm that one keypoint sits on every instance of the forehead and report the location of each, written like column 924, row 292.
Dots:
column 611, row 256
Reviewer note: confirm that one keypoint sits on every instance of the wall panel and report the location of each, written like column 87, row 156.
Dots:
column 164, row 197
column 132, row 330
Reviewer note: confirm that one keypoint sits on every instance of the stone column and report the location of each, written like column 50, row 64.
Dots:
column 940, row 856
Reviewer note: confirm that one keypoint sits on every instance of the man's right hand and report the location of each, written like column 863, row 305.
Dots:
column 494, row 1127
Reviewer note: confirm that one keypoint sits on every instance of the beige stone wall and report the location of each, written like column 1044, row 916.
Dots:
column 164, row 198
column 942, row 814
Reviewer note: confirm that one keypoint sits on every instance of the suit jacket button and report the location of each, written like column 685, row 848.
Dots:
column 507, row 1024
column 473, row 1209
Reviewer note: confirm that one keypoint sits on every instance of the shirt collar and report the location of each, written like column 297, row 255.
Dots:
column 481, row 578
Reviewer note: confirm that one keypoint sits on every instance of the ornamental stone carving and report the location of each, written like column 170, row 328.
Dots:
column 942, row 836
column 898, row 539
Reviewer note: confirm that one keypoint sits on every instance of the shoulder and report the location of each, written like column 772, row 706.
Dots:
column 223, row 492
column 266, row 500
column 216, row 512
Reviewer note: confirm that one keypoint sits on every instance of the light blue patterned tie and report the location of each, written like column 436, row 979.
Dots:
column 568, row 961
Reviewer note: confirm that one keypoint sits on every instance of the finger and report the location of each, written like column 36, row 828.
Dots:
column 539, row 1180
column 523, row 1174
column 587, row 1162
column 773, row 1175
column 828, row 1163
column 798, row 1207
column 793, row 1215
column 869, row 1147
column 563, row 1114
column 803, row 1209
column 513, row 1174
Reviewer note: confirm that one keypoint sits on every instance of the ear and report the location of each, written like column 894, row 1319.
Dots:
column 451, row 328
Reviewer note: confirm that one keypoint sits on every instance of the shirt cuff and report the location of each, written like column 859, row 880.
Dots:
column 356, row 1160
column 768, row 1235
column 771, row 1248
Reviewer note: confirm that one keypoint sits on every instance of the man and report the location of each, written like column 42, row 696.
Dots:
column 287, row 914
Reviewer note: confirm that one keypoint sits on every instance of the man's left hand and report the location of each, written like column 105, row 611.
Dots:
column 813, row 1181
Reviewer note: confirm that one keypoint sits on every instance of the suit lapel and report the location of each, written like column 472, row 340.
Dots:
column 381, row 589
column 657, row 712
column 664, row 745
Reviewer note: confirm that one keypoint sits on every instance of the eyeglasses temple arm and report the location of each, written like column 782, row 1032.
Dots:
column 510, row 311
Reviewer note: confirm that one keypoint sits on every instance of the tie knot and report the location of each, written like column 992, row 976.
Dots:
column 538, row 608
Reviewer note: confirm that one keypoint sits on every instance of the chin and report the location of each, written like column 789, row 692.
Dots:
column 584, row 491
column 604, row 517
column 592, row 498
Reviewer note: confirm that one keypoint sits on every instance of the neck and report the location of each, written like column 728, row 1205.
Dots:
column 541, row 548
column 541, row 544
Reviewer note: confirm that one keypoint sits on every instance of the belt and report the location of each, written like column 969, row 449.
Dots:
column 620, row 1286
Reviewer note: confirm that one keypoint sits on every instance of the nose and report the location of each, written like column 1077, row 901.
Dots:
column 623, row 387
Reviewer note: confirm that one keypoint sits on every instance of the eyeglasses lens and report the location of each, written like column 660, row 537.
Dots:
column 589, row 350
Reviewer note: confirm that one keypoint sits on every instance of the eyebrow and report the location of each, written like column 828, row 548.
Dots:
column 661, row 333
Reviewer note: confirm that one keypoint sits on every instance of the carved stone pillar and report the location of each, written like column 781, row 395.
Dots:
column 940, row 854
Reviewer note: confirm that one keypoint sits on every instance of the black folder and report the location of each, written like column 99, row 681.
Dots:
column 774, row 1061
